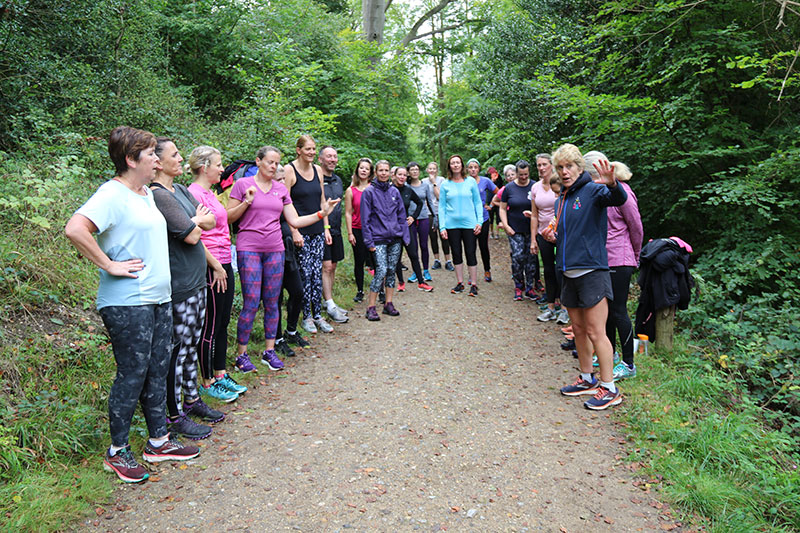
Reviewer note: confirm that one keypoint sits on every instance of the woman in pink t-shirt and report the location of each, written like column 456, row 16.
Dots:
column 257, row 203
column 205, row 164
column 352, row 210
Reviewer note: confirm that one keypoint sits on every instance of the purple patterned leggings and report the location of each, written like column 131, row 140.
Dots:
column 261, row 277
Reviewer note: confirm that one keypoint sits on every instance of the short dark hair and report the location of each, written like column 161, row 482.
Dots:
column 412, row 164
column 124, row 142
column 521, row 164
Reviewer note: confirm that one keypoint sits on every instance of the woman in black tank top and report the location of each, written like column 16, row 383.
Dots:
column 304, row 181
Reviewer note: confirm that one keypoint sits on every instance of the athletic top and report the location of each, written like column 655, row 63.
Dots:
column 218, row 238
column 518, row 200
column 425, row 194
column 260, row 225
column 307, row 198
column 130, row 226
column 460, row 205
column 485, row 188
column 187, row 262
column 544, row 200
column 356, row 219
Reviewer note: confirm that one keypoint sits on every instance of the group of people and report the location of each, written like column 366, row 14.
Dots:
column 167, row 264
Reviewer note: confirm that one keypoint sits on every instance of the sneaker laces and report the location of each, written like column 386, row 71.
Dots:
column 126, row 456
column 601, row 392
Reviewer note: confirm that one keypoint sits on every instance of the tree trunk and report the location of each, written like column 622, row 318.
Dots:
column 374, row 14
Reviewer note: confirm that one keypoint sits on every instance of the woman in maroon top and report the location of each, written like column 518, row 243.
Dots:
column 352, row 210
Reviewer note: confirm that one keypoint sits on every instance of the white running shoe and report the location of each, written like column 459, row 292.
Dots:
column 322, row 325
column 308, row 325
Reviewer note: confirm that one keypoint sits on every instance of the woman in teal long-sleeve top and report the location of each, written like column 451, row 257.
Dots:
column 460, row 219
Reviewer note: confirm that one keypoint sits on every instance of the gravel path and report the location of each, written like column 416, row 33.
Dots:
column 378, row 427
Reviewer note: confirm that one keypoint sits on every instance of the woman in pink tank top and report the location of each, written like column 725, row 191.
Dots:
column 352, row 210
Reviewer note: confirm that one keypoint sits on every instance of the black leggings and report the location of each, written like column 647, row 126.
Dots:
column 483, row 244
column 294, row 286
column 618, row 319
column 467, row 236
column 547, row 250
column 435, row 236
column 213, row 346
column 411, row 250
column 361, row 257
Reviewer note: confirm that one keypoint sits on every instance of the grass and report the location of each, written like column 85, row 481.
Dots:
column 721, row 464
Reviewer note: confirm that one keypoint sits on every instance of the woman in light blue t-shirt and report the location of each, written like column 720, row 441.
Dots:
column 133, row 298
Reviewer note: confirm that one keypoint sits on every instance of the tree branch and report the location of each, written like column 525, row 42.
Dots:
column 442, row 30
column 388, row 3
column 424, row 18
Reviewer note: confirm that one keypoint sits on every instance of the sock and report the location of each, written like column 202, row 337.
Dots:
column 112, row 450
column 158, row 443
column 329, row 304
column 609, row 385
column 587, row 376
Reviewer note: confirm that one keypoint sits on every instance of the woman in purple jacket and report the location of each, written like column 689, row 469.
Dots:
column 624, row 244
column 384, row 226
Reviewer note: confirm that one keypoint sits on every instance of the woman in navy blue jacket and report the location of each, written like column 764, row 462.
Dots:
column 581, row 226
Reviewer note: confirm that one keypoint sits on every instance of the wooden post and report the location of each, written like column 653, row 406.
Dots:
column 665, row 326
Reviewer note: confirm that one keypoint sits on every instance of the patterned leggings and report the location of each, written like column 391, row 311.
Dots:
column 310, row 259
column 140, row 337
column 522, row 260
column 386, row 257
column 187, row 323
column 261, row 277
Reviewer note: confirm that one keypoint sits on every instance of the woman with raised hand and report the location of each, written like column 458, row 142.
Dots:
column 352, row 209
column 307, row 191
column 133, row 298
column 385, row 228
column 422, row 226
column 257, row 202
column 186, row 220
column 434, row 181
column 400, row 175
column 487, row 190
column 205, row 164
column 460, row 215
column 515, row 200
column 580, row 232
column 542, row 201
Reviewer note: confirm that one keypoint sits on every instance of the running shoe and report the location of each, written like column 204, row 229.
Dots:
column 297, row 339
column 337, row 315
column 270, row 359
column 282, row 347
column 547, row 316
column 390, row 310
column 401, row 287
column 218, row 391
column 125, row 466
column 308, row 325
column 537, row 286
column 517, row 295
column 202, row 411
column 541, row 300
column 530, row 294
column 623, row 371
column 403, row 267
column 603, row 399
column 473, row 291
column 372, row 314
column 436, row 264
column 563, row 317
column 449, row 266
column 412, row 278
column 596, row 363
column 359, row 297
column 172, row 450
column 568, row 345
column 323, row 326
column 487, row 276
column 190, row 429
column 229, row 383
column 426, row 275
column 458, row 289
column 424, row 287
column 244, row 364
column 581, row 386
column 567, row 330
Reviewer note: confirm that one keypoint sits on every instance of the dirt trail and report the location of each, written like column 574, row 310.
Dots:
column 447, row 417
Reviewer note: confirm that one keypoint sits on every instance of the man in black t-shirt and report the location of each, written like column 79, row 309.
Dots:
column 334, row 252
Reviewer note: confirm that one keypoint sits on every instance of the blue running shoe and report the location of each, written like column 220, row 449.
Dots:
column 229, row 383
column 219, row 391
column 427, row 275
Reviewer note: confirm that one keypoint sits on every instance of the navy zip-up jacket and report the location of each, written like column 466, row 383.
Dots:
column 583, row 224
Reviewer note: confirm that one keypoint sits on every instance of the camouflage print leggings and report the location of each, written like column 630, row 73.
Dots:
column 140, row 336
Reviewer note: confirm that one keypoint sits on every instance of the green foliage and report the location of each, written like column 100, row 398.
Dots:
column 711, row 445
